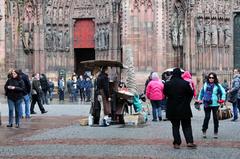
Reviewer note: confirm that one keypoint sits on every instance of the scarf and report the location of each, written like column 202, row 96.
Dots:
column 207, row 97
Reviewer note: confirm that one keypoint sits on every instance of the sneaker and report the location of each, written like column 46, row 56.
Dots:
column 204, row 135
column 9, row 125
column 33, row 113
column 176, row 146
column 17, row 126
column 192, row 145
column 215, row 136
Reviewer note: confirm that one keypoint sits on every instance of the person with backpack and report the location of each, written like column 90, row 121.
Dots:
column 233, row 92
column 179, row 95
column 211, row 94
column 45, row 88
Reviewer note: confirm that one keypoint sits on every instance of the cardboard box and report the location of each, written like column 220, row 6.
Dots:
column 83, row 121
column 135, row 119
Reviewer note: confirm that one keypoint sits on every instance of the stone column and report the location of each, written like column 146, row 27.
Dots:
column 2, row 38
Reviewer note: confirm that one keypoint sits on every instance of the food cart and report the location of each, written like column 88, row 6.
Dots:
column 122, row 100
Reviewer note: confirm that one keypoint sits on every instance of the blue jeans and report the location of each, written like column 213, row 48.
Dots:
column 236, row 107
column 61, row 95
column 26, row 100
column 14, row 105
column 156, row 109
column 51, row 95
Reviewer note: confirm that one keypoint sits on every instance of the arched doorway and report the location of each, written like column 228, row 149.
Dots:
column 84, row 30
column 237, row 41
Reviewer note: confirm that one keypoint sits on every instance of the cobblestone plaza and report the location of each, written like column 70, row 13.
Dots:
column 58, row 135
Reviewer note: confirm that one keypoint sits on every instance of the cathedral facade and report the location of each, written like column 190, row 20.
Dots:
column 51, row 35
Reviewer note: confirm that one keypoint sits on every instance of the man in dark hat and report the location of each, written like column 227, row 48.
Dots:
column 179, row 95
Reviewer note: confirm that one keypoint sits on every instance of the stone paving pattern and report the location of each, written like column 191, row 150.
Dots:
column 58, row 135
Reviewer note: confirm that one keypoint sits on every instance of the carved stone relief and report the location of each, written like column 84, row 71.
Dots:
column 216, row 30
column 102, row 38
column 148, row 4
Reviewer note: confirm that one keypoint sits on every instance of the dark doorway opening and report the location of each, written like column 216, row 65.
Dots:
column 82, row 55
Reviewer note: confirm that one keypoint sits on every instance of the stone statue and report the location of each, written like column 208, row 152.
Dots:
column 214, row 31
column 55, row 3
column 60, row 13
column 96, row 39
column 67, row 40
column 200, row 31
column 66, row 13
column 55, row 40
column 102, row 39
column 207, row 31
column 48, row 38
column 68, row 3
column 177, row 25
column 106, row 37
column 174, row 31
column 27, row 35
column 220, row 34
column 180, row 33
column 227, row 35
column 48, row 14
column 54, row 14
column 29, row 12
column 60, row 40
column 49, row 2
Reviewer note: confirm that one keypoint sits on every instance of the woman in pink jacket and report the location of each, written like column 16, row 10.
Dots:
column 155, row 94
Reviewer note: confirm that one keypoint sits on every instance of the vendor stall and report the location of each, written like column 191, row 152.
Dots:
column 121, row 99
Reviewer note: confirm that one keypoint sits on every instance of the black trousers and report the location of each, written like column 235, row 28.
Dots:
column 187, row 130
column 207, row 111
column 36, row 98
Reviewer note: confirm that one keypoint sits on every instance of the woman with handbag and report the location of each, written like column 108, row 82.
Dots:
column 209, row 96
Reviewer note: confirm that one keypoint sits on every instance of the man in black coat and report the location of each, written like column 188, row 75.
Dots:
column 179, row 95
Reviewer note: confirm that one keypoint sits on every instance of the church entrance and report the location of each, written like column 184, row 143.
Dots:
column 82, row 55
column 84, row 30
